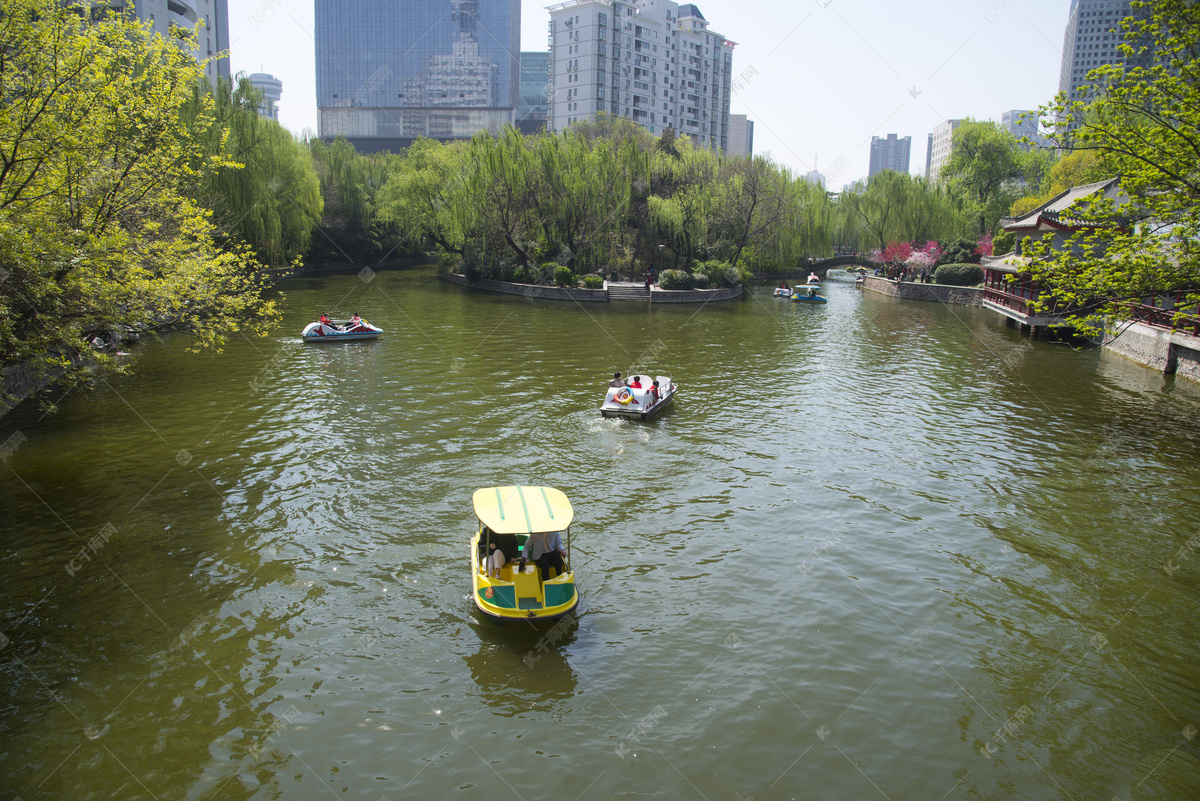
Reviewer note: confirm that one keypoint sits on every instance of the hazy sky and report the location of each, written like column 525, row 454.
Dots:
column 821, row 77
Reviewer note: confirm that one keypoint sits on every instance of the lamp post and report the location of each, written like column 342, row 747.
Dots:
column 661, row 250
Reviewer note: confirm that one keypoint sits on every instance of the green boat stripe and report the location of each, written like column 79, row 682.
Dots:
column 528, row 522
column 499, row 503
column 549, row 509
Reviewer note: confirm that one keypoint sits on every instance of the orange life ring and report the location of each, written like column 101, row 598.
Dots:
column 624, row 396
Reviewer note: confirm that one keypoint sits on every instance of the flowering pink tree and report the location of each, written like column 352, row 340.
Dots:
column 897, row 252
column 984, row 246
column 933, row 250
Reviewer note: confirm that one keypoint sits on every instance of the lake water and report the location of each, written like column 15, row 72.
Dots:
column 877, row 549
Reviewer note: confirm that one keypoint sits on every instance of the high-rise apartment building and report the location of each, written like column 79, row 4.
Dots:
column 208, row 18
column 655, row 62
column 892, row 153
column 388, row 72
column 741, row 135
column 271, row 89
column 941, row 142
column 533, row 111
column 1023, row 124
column 1091, row 39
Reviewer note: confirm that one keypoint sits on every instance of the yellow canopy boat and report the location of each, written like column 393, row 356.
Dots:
column 507, row 587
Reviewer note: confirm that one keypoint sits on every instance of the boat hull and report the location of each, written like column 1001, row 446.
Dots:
column 806, row 299
column 637, row 408
column 317, row 332
column 521, row 596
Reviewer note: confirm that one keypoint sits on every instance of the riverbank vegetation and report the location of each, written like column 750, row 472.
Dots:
column 1140, row 123
column 109, row 154
column 603, row 197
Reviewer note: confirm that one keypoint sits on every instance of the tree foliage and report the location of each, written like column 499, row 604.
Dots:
column 266, row 193
column 1144, row 124
column 990, row 170
column 99, row 170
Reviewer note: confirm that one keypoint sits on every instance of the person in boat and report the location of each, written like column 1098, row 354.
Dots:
column 616, row 382
column 495, row 560
column 545, row 549
column 355, row 319
column 636, row 383
column 655, row 394
column 325, row 320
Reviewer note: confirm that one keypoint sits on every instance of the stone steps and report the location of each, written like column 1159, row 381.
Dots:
column 636, row 293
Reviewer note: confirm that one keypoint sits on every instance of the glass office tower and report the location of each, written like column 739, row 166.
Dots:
column 389, row 71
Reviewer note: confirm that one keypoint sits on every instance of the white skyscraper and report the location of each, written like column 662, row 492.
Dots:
column 941, row 142
column 271, row 88
column 651, row 61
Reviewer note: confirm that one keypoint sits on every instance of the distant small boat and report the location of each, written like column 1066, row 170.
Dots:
column 801, row 297
column 783, row 292
column 340, row 331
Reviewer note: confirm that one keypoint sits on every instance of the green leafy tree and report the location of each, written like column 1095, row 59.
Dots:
column 1144, row 123
column 268, row 195
column 99, row 165
column 989, row 169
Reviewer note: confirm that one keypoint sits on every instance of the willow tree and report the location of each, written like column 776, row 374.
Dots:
column 1144, row 123
column 426, row 196
column 582, row 192
column 686, row 209
column 97, row 159
column 501, row 185
column 758, row 198
column 267, row 193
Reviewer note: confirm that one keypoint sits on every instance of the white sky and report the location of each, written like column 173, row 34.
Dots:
column 821, row 76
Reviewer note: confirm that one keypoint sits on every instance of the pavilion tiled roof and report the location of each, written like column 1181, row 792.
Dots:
column 1055, row 213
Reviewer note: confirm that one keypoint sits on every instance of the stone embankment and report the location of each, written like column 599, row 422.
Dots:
column 615, row 292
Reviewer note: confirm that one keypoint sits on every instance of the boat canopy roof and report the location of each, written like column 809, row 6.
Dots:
column 523, row 510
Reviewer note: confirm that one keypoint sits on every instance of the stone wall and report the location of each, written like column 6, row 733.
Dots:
column 696, row 295
column 593, row 295
column 1157, row 348
column 942, row 293
column 529, row 290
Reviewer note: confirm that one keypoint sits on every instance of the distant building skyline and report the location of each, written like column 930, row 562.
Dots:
column 1093, row 34
column 271, row 89
column 655, row 62
column 533, row 110
column 211, row 38
column 890, row 153
column 387, row 73
column 741, row 135
column 941, row 142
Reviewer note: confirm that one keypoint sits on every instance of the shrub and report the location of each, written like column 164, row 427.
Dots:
column 563, row 275
column 447, row 263
column 701, row 280
column 470, row 270
column 958, row 274
column 676, row 279
column 960, row 252
column 593, row 281
column 521, row 275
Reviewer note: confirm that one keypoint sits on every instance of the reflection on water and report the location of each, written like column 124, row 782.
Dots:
column 874, row 547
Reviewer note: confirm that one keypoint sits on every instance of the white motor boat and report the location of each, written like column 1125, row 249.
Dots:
column 783, row 292
column 639, row 404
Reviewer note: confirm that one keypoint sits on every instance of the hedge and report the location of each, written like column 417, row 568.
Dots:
column 958, row 274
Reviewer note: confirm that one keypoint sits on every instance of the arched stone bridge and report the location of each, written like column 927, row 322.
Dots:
column 821, row 268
